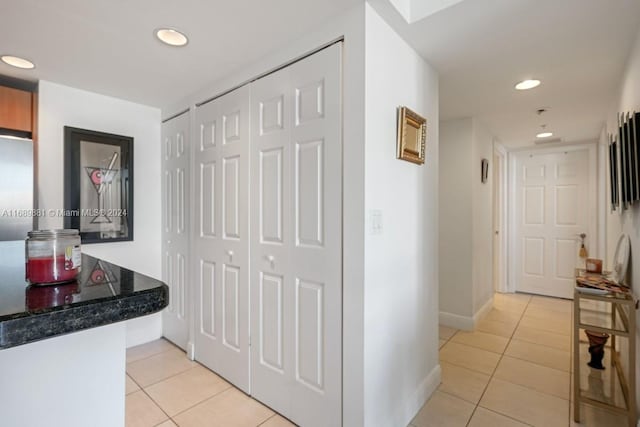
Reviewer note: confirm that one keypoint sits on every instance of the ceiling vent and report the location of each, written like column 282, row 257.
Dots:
column 547, row 141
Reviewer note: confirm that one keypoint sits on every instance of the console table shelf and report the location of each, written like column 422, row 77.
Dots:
column 613, row 314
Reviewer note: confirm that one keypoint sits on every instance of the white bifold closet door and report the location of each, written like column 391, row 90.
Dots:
column 175, row 227
column 221, row 236
column 296, row 234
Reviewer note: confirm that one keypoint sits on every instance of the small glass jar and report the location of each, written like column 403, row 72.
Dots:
column 52, row 256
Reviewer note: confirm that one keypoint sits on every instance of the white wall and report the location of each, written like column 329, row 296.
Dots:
column 455, row 206
column 40, row 378
column 61, row 106
column 628, row 221
column 415, row 10
column 466, row 223
column 401, row 263
column 482, row 217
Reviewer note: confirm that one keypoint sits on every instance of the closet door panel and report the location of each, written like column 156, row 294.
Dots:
column 207, row 282
column 220, row 243
column 207, row 198
column 270, row 333
column 270, row 199
column 231, row 197
column 316, row 255
column 296, row 251
column 167, row 193
column 175, row 230
column 309, row 193
column 236, row 117
column 206, row 250
column 230, row 307
column 271, row 237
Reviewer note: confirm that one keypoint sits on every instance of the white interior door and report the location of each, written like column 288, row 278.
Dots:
column 554, row 203
column 296, row 229
column 221, row 237
column 175, row 227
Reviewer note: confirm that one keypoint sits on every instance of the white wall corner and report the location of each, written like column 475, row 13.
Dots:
column 480, row 314
column 142, row 330
column 423, row 393
column 403, row 7
column 465, row 323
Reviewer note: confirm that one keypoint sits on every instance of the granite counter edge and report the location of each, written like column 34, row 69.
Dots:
column 39, row 326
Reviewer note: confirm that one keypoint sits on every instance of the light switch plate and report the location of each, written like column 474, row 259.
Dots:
column 375, row 221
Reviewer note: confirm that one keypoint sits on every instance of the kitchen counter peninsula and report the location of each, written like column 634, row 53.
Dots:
column 103, row 294
column 63, row 347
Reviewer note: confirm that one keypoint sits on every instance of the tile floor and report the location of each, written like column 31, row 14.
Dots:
column 166, row 389
column 513, row 370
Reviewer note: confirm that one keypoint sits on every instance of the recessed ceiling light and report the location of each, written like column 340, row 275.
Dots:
column 528, row 84
column 171, row 36
column 544, row 135
column 16, row 61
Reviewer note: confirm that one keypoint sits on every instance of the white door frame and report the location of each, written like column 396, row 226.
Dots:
column 500, row 217
column 593, row 197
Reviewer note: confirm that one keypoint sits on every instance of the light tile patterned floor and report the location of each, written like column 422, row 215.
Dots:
column 166, row 389
column 513, row 370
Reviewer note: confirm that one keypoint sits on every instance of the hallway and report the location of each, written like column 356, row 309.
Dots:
column 514, row 370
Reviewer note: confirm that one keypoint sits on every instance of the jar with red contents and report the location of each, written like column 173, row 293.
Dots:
column 52, row 256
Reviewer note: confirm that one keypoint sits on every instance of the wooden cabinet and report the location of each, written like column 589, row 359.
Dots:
column 17, row 109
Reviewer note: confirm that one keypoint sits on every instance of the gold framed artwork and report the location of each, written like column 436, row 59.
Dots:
column 412, row 136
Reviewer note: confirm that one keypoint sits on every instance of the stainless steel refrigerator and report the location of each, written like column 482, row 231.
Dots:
column 16, row 188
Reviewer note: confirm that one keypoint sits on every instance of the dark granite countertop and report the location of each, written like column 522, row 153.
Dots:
column 104, row 293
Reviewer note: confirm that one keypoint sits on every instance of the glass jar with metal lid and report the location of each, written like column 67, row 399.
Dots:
column 52, row 256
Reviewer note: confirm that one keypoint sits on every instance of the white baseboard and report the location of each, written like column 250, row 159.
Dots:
column 191, row 350
column 422, row 394
column 483, row 311
column 465, row 323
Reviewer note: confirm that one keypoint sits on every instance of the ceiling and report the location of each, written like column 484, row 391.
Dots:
column 578, row 49
column 109, row 47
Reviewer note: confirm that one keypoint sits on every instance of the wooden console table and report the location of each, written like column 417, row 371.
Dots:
column 613, row 314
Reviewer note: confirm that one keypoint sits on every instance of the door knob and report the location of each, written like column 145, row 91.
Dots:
column 270, row 258
column 230, row 253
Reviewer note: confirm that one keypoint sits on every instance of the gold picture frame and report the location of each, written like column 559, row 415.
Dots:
column 412, row 136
